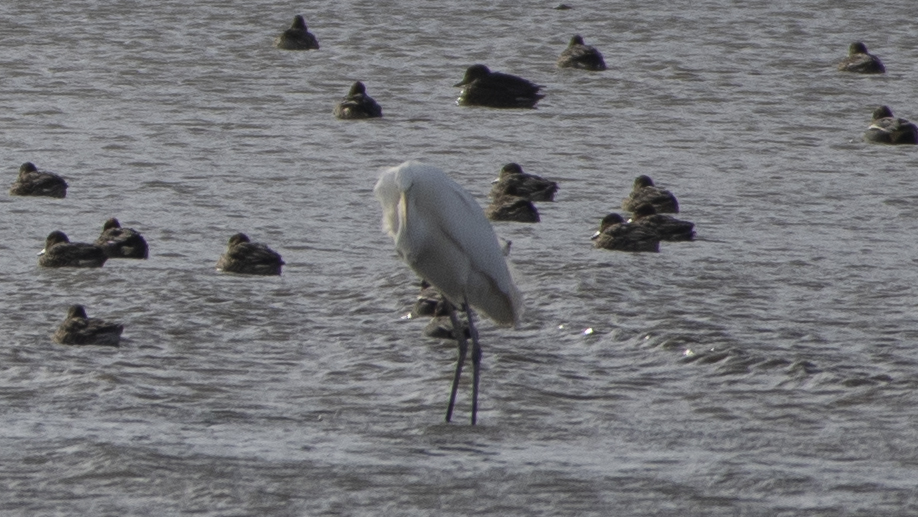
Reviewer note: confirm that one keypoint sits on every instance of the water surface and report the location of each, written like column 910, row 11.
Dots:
column 766, row 369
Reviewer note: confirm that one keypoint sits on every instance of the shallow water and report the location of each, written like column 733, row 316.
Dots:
column 766, row 369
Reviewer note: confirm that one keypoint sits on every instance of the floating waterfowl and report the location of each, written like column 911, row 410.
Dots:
column 32, row 182
column 888, row 129
column 668, row 228
column 482, row 87
column 78, row 329
column 580, row 55
column 512, row 208
column 357, row 104
column 860, row 61
column 512, row 181
column 615, row 234
column 297, row 37
column 118, row 242
column 249, row 258
column 644, row 191
column 60, row 252
column 430, row 302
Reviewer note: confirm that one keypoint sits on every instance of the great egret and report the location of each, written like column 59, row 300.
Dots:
column 357, row 104
column 249, row 258
column 579, row 55
column 60, row 252
column 482, row 87
column 78, row 329
column 32, row 182
column 887, row 129
column 860, row 61
column 442, row 234
column 644, row 191
column 118, row 242
column 297, row 37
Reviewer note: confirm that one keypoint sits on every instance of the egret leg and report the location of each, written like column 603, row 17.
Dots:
column 463, row 350
column 476, row 361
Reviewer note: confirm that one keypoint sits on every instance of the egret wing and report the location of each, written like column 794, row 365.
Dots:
column 441, row 232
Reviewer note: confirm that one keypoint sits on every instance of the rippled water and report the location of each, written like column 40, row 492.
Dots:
column 766, row 369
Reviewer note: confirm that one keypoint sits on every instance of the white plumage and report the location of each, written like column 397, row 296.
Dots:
column 443, row 235
column 441, row 232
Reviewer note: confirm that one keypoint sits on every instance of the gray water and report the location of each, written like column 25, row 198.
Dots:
column 768, row 368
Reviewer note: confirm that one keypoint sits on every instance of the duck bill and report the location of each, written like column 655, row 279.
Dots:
column 595, row 236
column 42, row 252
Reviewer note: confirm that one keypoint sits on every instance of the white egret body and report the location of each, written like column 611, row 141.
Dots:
column 441, row 232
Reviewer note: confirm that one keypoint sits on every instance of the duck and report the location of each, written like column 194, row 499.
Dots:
column 249, row 258
column 357, row 104
column 667, row 227
column 118, row 242
column 580, row 55
column 430, row 302
column 512, row 181
column 887, row 129
column 60, row 252
column 860, row 61
column 297, row 37
column 512, row 208
column 615, row 234
column 644, row 191
column 78, row 329
column 441, row 327
column 482, row 87
column 32, row 182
